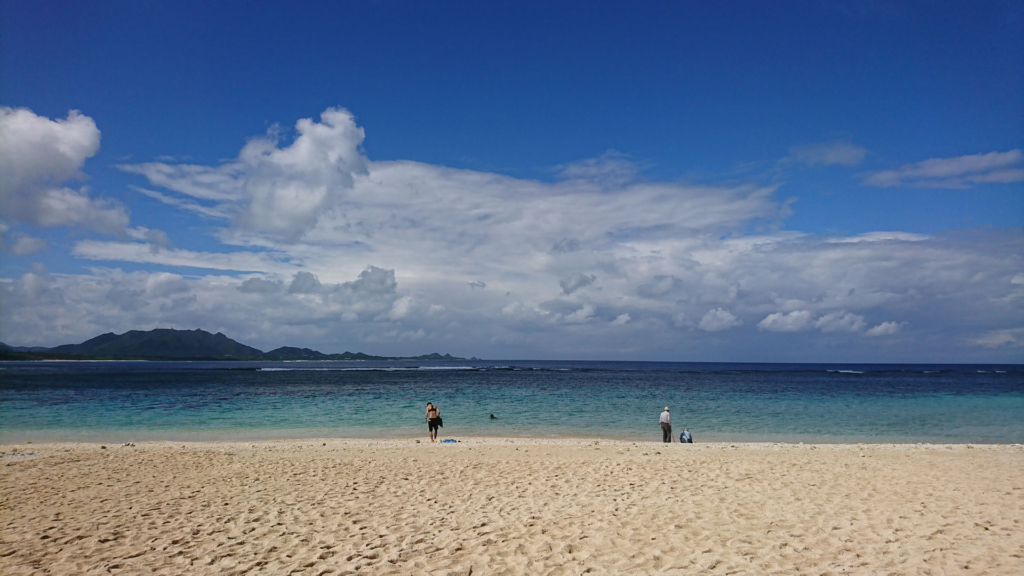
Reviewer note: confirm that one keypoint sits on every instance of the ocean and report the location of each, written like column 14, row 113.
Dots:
column 814, row 403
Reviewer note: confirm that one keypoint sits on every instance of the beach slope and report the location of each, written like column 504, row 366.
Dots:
column 497, row 506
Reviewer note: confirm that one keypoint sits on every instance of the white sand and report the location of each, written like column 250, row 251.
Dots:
column 497, row 506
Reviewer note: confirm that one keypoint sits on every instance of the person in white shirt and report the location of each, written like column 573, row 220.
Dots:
column 666, row 426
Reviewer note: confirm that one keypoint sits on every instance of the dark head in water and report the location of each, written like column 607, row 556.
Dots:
column 492, row 417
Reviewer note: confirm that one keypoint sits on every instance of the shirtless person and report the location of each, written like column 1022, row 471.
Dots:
column 433, row 420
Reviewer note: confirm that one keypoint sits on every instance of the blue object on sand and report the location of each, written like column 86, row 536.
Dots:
column 448, row 441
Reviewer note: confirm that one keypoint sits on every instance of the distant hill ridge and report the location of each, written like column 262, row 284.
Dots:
column 171, row 344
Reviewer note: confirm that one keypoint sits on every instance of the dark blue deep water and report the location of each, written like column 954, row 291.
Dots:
column 121, row 401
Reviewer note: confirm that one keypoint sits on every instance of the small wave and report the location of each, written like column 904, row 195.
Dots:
column 1000, row 371
column 447, row 368
column 334, row 369
column 293, row 369
column 982, row 371
column 845, row 371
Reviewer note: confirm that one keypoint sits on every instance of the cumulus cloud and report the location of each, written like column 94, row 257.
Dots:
column 679, row 320
column 584, row 314
column 304, row 283
column 838, row 153
column 794, row 321
column 785, row 281
column 840, row 321
column 717, row 320
column 575, row 281
column 674, row 259
column 256, row 310
column 958, row 172
column 658, row 286
column 25, row 245
column 400, row 308
column 836, row 321
column 156, row 239
column 281, row 192
column 1005, row 338
column 37, row 156
column 261, row 286
column 374, row 280
column 884, row 329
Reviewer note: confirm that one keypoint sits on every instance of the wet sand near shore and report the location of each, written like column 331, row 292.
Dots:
column 510, row 506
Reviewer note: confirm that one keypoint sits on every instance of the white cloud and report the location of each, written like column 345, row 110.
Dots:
column 25, row 245
column 156, row 239
column 717, row 320
column 260, row 285
column 611, row 169
column 144, row 253
column 584, row 314
column 658, row 286
column 254, row 310
column 304, row 283
column 880, row 237
column 664, row 252
column 958, row 172
column 213, row 212
column 840, row 153
column 670, row 257
column 37, row 156
column 281, row 192
column 794, row 321
column 841, row 321
column 400, row 308
column 885, row 329
column 1009, row 338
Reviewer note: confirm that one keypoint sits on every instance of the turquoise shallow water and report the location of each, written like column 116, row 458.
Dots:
column 121, row 401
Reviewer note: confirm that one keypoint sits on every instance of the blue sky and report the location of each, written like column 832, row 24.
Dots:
column 818, row 181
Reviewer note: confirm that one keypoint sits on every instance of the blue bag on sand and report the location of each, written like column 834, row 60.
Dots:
column 448, row 441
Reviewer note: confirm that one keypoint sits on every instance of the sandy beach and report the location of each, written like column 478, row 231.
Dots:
column 502, row 506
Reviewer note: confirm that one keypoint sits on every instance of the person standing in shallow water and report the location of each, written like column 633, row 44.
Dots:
column 433, row 420
column 666, row 426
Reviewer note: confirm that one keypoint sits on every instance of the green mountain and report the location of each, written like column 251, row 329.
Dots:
column 162, row 343
column 170, row 344
column 292, row 353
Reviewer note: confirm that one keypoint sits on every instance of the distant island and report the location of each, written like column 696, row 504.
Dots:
column 170, row 344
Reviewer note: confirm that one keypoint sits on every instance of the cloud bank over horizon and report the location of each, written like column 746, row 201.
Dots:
column 311, row 243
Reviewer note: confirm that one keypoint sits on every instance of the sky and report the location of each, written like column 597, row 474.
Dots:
column 821, row 181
